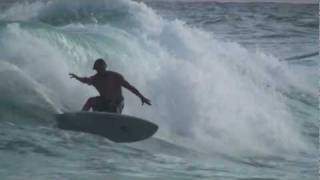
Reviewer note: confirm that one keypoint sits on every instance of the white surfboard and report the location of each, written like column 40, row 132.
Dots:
column 116, row 127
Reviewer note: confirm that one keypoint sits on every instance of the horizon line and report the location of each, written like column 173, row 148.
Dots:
column 241, row 1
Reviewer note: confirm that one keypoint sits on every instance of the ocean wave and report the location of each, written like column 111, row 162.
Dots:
column 205, row 91
column 59, row 13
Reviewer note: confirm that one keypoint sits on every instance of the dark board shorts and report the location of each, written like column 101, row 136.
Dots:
column 102, row 104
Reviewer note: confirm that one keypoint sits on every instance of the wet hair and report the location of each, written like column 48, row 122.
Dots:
column 99, row 62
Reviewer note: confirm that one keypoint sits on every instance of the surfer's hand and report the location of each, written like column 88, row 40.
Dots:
column 145, row 100
column 73, row 75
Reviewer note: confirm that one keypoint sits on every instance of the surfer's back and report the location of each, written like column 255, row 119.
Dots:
column 108, row 84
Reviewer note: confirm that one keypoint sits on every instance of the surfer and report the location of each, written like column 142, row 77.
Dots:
column 108, row 84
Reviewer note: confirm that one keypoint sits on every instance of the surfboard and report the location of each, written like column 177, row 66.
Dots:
column 116, row 127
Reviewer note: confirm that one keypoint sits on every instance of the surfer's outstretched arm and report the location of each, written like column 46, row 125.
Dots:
column 128, row 86
column 85, row 80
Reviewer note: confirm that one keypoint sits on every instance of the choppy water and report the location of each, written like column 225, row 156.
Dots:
column 233, row 86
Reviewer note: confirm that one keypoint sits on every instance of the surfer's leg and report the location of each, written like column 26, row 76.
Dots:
column 116, row 105
column 89, row 104
column 120, row 106
column 100, row 104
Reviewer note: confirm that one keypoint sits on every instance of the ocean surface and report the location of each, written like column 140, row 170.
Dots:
column 234, row 89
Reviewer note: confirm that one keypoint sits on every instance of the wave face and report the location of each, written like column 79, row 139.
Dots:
column 209, row 95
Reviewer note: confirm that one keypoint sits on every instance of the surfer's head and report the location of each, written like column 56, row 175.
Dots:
column 99, row 65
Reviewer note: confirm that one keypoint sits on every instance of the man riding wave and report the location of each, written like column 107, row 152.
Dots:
column 108, row 84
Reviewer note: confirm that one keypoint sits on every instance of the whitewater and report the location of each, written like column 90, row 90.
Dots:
column 233, row 89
